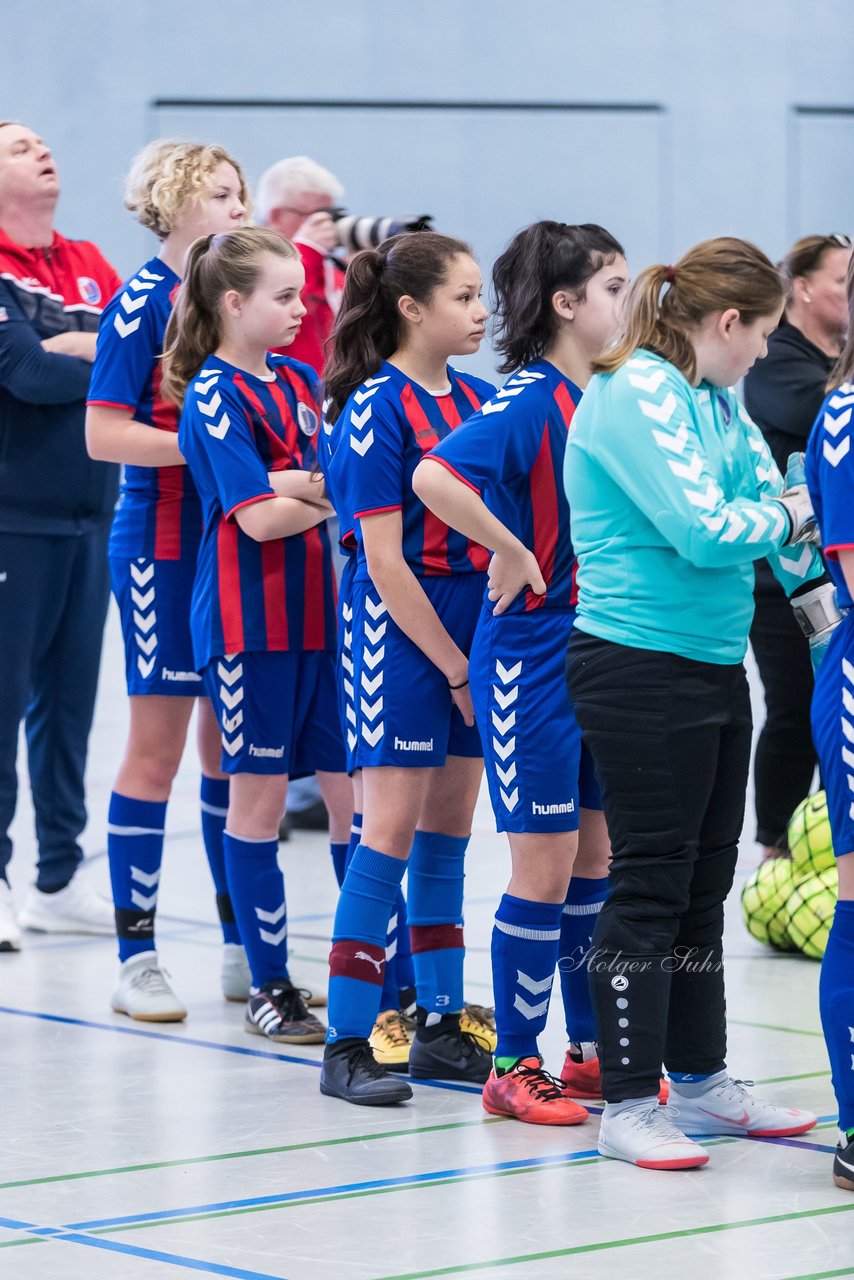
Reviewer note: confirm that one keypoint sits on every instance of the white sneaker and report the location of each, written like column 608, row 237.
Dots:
column 144, row 993
column 235, row 974
column 728, row 1107
column 643, row 1135
column 74, row 909
column 10, row 934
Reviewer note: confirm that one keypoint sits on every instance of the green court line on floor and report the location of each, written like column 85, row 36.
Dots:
column 824, row 1275
column 805, row 1075
column 241, row 1155
column 602, row 1245
column 768, row 1026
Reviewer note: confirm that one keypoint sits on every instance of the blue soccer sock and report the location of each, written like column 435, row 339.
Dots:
column 584, row 901
column 357, row 958
column 525, row 941
column 403, row 965
column 436, row 922
column 339, row 860
column 355, row 839
column 836, row 1002
column 390, row 996
column 135, row 830
column 257, row 889
column 214, row 807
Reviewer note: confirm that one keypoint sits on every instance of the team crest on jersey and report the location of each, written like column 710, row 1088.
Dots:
column 307, row 418
column 89, row 290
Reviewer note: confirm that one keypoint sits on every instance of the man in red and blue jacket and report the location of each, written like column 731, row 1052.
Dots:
column 55, row 511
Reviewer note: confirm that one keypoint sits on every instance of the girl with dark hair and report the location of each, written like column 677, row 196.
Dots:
column 559, row 290
column 407, row 307
column 783, row 394
column 674, row 494
column 830, row 476
column 179, row 191
column 263, row 610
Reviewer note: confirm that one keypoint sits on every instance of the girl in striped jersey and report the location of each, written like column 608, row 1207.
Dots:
column 178, row 190
column 559, row 290
column 417, row 586
column 263, row 608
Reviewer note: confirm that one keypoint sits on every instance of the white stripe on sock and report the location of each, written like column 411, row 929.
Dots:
column 533, row 935
column 113, row 830
column 212, row 808
column 583, row 908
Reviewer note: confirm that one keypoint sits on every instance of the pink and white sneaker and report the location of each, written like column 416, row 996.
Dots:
column 643, row 1135
column 728, row 1107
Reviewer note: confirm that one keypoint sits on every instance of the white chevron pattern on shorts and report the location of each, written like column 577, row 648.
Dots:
column 229, row 669
column 144, row 614
column 372, row 721
column 503, row 745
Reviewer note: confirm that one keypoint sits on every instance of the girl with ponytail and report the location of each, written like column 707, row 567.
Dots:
column 409, row 614
column 559, row 291
column 263, row 608
column 674, row 494
column 178, row 190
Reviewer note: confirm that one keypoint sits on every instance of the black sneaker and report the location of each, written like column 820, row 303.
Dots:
column 843, row 1163
column 279, row 1013
column 351, row 1072
column 452, row 1055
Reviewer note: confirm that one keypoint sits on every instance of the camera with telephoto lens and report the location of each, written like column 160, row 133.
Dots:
column 356, row 233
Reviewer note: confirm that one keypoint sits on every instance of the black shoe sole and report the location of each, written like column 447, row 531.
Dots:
column 367, row 1100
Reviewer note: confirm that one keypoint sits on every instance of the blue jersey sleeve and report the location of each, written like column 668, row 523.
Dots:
column 830, row 471
column 370, row 457
column 216, row 439
column 127, row 347
column 494, row 446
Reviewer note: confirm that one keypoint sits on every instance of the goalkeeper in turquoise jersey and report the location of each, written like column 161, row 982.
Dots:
column 673, row 495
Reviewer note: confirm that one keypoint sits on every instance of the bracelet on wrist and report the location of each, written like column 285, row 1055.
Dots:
column 458, row 686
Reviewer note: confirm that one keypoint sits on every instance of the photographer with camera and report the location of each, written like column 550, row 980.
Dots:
column 299, row 198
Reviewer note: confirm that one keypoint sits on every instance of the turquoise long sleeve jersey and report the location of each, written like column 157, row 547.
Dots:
column 670, row 490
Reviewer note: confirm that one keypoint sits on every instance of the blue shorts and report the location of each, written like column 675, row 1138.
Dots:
column 154, row 606
column 538, row 770
column 401, row 713
column 278, row 712
column 833, row 733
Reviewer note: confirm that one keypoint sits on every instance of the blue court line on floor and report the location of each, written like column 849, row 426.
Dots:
column 413, row 1179
column 416, row 1179
column 194, row 1043
column 64, row 1236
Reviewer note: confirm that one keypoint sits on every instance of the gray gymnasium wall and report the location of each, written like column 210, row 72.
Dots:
column 665, row 121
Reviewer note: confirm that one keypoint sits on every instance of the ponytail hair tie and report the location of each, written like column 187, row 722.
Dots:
column 670, row 275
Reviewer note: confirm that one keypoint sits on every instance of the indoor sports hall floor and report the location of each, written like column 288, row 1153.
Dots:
column 138, row 1152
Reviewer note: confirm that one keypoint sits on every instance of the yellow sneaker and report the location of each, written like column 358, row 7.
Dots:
column 390, row 1041
column 478, row 1020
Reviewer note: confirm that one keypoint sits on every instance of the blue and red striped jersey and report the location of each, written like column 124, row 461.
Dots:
column 384, row 430
column 254, row 596
column 159, row 514
column 512, row 454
